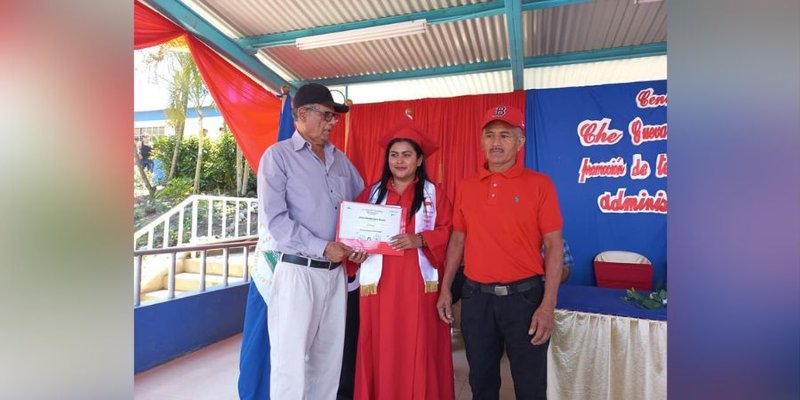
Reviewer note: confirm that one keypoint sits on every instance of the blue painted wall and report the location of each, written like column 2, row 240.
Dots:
column 166, row 330
column 159, row 115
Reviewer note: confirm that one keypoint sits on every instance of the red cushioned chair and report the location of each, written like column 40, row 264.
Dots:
column 623, row 270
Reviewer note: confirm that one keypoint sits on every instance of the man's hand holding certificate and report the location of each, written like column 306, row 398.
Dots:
column 370, row 226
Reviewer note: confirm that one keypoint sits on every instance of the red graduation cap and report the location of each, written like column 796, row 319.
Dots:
column 407, row 129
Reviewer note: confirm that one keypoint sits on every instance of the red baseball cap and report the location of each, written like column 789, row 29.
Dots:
column 508, row 114
column 407, row 129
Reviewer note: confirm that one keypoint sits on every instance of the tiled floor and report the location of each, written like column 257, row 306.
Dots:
column 211, row 373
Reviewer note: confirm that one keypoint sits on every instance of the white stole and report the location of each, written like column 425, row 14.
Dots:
column 424, row 220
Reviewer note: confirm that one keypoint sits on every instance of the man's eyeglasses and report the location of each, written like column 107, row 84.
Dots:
column 327, row 115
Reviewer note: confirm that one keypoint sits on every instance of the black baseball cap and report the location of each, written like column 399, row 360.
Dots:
column 314, row 93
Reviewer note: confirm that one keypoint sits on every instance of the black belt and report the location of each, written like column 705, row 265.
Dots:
column 504, row 289
column 291, row 258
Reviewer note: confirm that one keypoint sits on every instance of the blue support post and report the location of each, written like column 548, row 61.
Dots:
column 515, row 42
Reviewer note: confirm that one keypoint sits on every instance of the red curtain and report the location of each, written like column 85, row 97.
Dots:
column 150, row 28
column 251, row 111
column 454, row 122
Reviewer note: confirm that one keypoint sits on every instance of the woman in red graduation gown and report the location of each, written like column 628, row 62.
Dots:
column 404, row 349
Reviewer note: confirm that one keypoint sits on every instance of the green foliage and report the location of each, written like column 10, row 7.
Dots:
column 656, row 299
column 220, row 174
column 176, row 189
column 146, row 210
column 163, row 148
column 218, row 170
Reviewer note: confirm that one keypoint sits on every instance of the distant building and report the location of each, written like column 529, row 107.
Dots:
column 154, row 123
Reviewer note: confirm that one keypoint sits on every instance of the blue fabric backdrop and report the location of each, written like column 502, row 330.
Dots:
column 286, row 127
column 555, row 120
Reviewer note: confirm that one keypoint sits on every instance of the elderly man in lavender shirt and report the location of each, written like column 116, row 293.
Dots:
column 301, row 183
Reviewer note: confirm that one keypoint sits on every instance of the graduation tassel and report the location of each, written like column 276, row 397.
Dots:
column 368, row 290
column 431, row 286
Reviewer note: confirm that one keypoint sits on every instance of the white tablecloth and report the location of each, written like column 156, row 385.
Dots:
column 598, row 356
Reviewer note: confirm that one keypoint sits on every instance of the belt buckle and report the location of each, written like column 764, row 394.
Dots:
column 501, row 290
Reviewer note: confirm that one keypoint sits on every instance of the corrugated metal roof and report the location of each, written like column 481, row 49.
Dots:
column 258, row 17
column 591, row 26
column 577, row 28
column 456, row 43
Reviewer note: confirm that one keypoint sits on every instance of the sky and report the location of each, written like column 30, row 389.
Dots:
column 147, row 94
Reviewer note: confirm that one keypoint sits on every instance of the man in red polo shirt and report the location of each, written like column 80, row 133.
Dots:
column 501, row 218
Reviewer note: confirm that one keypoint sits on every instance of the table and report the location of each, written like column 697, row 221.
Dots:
column 605, row 348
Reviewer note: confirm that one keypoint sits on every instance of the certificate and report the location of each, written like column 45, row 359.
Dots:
column 370, row 226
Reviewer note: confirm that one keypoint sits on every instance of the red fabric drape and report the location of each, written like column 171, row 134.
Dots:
column 454, row 122
column 150, row 28
column 251, row 111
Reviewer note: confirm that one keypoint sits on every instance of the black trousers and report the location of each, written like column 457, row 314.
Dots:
column 491, row 324
column 348, row 376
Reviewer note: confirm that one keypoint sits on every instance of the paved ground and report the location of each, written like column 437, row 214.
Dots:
column 211, row 374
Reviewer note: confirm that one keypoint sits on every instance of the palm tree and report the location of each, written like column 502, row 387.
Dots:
column 185, row 87
column 176, row 114
column 197, row 95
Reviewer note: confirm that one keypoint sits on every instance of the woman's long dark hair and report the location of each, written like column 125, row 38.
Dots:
column 421, row 174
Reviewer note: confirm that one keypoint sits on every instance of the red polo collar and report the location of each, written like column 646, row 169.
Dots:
column 512, row 172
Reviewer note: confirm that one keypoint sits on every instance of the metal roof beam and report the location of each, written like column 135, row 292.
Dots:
column 540, row 4
column 616, row 53
column 187, row 19
column 418, row 73
column 515, row 39
column 439, row 16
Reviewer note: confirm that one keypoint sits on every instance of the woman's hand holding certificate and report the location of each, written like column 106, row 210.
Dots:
column 406, row 241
